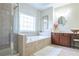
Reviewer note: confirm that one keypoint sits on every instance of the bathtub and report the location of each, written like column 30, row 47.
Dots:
column 35, row 38
column 30, row 44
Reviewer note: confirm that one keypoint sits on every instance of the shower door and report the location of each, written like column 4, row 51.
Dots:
column 5, row 29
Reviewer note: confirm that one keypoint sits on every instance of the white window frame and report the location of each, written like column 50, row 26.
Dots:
column 29, row 26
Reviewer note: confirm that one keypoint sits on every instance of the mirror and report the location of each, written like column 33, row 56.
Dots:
column 62, row 20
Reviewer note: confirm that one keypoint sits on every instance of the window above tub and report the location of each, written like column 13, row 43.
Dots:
column 27, row 23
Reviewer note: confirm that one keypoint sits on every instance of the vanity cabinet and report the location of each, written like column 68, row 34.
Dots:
column 55, row 38
column 61, row 39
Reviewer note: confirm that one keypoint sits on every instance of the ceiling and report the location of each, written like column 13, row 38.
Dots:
column 42, row 6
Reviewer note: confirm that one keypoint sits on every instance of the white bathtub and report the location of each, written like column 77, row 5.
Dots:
column 35, row 38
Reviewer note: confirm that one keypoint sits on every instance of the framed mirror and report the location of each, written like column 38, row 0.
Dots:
column 62, row 20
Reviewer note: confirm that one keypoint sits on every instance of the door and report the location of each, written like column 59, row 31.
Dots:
column 64, row 39
column 67, row 40
column 56, row 39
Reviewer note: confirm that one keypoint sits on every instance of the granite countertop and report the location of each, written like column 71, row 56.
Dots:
column 65, row 32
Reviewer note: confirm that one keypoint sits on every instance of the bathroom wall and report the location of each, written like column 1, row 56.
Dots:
column 29, row 10
column 49, row 12
column 70, row 12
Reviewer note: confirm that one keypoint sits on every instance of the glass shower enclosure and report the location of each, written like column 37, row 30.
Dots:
column 7, row 36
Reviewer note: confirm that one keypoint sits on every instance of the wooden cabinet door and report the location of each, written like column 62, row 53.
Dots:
column 61, row 39
column 56, row 38
column 52, row 38
column 65, row 39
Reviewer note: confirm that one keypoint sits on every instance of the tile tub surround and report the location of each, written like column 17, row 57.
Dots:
column 21, row 44
column 37, row 45
column 27, row 49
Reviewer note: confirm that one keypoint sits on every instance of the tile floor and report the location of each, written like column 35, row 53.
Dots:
column 55, row 50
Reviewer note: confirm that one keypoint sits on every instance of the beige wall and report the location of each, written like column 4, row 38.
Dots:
column 70, row 12
column 29, row 10
column 48, row 12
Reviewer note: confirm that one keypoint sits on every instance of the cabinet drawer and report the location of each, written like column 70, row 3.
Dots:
column 65, row 35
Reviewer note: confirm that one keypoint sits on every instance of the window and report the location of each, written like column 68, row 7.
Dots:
column 45, row 23
column 27, row 23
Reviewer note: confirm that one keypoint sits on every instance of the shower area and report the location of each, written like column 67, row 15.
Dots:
column 8, row 17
